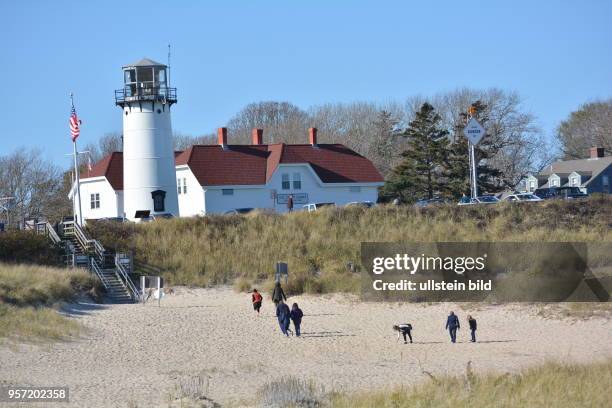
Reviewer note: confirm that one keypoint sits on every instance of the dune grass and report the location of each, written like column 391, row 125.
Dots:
column 29, row 296
column 550, row 385
column 212, row 250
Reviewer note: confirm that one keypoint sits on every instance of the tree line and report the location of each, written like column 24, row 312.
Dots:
column 409, row 142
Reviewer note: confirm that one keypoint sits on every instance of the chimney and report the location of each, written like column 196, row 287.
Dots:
column 222, row 136
column 597, row 152
column 257, row 136
column 312, row 136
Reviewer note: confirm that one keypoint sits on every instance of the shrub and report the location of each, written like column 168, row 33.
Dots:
column 291, row 392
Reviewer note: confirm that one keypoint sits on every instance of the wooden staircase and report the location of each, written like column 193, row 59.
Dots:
column 81, row 251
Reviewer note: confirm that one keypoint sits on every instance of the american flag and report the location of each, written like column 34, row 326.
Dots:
column 75, row 125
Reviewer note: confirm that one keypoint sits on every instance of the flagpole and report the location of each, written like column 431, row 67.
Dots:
column 76, row 174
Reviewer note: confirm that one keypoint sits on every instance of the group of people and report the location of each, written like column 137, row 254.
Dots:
column 452, row 325
column 284, row 315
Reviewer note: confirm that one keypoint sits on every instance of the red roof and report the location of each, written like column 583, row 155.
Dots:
column 110, row 167
column 213, row 165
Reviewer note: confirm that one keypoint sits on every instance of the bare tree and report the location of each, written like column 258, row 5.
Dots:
column 281, row 121
column 184, row 142
column 589, row 126
column 35, row 184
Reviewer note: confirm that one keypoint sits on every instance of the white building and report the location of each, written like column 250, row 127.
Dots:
column 212, row 179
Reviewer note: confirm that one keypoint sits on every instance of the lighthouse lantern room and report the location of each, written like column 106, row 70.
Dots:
column 149, row 175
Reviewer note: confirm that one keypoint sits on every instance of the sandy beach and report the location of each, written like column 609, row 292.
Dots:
column 135, row 355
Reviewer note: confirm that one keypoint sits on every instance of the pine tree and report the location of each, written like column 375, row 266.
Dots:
column 421, row 174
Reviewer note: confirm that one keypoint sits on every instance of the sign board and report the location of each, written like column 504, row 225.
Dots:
column 474, row 131
column 299, row 198
column 281, row 269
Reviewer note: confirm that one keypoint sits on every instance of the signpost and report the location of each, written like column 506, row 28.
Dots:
column 474, row 132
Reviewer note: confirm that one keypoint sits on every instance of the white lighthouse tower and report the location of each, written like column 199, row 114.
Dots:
column 149, row 175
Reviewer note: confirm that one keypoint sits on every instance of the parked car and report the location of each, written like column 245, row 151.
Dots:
column 486, row 199
column 365, row 204
column 113, row 219
column 154, row 217
column 315, row 206
column 565, row 193
column 238, row 211
column 426, row 202
column 522, row 197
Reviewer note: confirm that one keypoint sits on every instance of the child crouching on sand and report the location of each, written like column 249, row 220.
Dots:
column 404, row 329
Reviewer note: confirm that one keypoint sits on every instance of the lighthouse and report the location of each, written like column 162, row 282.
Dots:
column 149, row 175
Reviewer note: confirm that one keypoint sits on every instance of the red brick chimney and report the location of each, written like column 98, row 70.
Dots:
column 257, row 136
column 597, row 152
column 222, row 136
column 312, row 136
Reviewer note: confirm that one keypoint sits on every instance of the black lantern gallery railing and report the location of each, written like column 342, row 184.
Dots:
column 131, row 93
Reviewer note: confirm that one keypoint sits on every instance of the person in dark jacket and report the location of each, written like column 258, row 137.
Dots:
column 404, row 329
column 290, row 203
column 296, row 318
column 277, row 294
column 257, row 299
column 283, row 314
column 452, row 324
column 472, row 323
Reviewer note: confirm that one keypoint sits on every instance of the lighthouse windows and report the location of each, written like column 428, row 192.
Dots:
column 159, row 198
column 95, row 201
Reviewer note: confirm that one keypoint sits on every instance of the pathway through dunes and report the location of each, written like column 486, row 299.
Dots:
column 135, row 353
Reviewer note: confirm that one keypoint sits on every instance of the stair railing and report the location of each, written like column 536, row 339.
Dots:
column 122, row 273
column 47, row 229
column 96, row 269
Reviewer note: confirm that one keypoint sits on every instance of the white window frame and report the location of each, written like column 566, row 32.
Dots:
column 285, row 178
column 178, row 186
column 184, row 185
column 297, row 181
column 94, row 201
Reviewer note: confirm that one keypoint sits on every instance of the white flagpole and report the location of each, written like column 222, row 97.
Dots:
column 76, row 174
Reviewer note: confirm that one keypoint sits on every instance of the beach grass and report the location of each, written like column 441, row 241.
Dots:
column 323, row 248
column 550, row 385
column 30, row 296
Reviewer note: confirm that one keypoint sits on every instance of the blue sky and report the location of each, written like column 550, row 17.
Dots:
column 556, row 54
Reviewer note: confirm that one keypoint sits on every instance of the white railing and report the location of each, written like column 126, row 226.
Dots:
column 96, row 269
column 123, row 276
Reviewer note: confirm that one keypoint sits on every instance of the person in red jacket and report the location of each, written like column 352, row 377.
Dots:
column 256, row 299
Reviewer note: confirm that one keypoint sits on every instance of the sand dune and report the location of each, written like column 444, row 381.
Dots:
column 135, row 353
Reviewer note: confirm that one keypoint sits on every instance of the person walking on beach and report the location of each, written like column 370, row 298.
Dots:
column 472, row 323
column 283, row 314
column 452, row 324
column 278, row 295
column 290, row 203
column 296, row 317
column 404, row 329
column 256, row 298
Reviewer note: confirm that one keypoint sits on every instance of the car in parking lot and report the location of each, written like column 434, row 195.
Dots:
column 522, row 197
column 239, row 211
column 564, row 193
column 485, row 199
column 310, row 207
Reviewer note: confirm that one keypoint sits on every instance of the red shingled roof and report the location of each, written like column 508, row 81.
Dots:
column 213, row 165
column 110, row 167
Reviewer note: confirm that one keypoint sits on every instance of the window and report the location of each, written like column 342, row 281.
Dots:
column 286, row 185
column 532, row 185
column 95, row 201
column 178, row 186
column 574, row 181
column 554, row 182
column 184, row 186
column 355, row 189
column 159, row 198
column 297, row 181
column 227, row 191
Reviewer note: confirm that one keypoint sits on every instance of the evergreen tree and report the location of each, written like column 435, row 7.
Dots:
column 421, row 174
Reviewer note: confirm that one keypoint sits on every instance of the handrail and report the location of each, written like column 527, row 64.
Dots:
column 46, row 228
column 98, row 272
column 123, row 275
